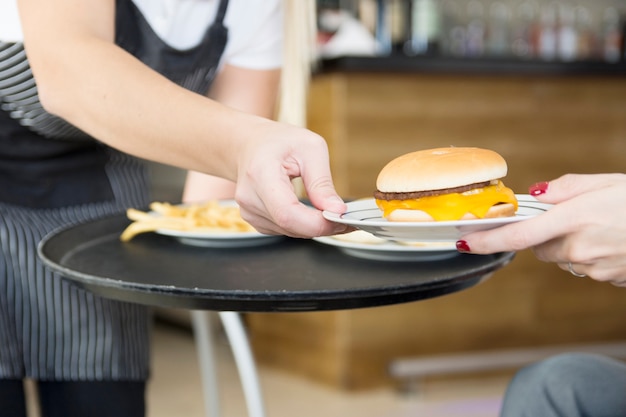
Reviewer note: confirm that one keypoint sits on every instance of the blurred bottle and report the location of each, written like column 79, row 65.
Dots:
column 624, row 37
column 367, row 12
column 584, row 29
column 548, row 32
column 611, row 35
column 399, row 22
column 567, row 37
column 453, row 28
column 425, row 28
column 475, row 36
column 525, row 32
column 383, row 28
column 498, row 42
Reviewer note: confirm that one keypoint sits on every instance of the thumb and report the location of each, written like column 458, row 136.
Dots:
column 323, row 196
column 319, row 187
column 569, row 186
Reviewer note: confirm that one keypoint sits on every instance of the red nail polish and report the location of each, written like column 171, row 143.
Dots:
column 462, row 246
column 538, row 189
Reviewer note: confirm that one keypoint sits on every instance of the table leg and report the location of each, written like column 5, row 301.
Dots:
column 245, row 362
column 203, row 335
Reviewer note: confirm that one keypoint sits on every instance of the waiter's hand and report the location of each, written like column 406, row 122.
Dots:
column 267, row 165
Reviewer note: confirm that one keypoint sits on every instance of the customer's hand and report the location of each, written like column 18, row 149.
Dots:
column 585, row 231
column 266, row 166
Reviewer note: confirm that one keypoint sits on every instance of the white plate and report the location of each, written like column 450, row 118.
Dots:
column 365, row 215
column 219, row 239
column 392, row 251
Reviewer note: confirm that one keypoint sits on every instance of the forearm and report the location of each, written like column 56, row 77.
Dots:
column 128, row 106
column 251, row 91
column 112, row 96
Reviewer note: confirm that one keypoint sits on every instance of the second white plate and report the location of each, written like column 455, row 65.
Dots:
column 220, row 239
column 392, row 251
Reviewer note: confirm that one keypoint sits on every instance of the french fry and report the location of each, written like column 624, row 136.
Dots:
column 138, row 215
column 206, row 217
column 143, row 226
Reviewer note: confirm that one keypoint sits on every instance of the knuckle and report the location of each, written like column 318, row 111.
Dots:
column 577, row 253
column 322, row 182
column 540, row 254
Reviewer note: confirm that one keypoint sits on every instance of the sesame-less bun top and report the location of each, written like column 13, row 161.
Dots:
column 440, row 168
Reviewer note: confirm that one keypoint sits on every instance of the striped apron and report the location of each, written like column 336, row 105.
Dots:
column 53, row 175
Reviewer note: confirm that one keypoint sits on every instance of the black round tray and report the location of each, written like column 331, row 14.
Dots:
column 287, row 275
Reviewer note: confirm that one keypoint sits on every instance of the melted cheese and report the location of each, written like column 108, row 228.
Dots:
column 455, row 205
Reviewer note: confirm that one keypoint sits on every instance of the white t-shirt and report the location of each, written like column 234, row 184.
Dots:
column 255, row 27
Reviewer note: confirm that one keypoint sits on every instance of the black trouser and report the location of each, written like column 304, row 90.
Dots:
column 80, row 399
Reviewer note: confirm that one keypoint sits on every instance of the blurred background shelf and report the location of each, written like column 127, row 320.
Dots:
column 466, row 66
column 473, row 36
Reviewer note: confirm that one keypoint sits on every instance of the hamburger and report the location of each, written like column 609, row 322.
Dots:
column 445, row 184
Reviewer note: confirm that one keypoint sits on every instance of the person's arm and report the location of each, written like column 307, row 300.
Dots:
column 83, row 77
column 86, row 79
column 586, row 226
column 251, row 91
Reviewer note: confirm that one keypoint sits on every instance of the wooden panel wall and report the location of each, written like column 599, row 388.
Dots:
column 544, row 127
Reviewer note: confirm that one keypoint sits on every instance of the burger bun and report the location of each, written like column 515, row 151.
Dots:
column 439, row 169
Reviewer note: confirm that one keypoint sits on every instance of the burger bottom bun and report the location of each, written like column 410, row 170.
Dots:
column 403, row 215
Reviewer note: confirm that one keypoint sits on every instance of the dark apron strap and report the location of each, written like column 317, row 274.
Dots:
column 193, row 68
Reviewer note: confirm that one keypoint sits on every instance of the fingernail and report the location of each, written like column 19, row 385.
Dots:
column 462, row 246
column 538, row 189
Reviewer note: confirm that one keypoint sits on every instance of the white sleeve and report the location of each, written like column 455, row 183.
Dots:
column 255, row 34
column 10, row 27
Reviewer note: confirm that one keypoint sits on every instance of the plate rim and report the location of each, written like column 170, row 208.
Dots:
column 211, row 236
column 521, row 198
column 389, row 246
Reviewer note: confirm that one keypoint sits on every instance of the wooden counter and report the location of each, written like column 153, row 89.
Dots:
column 544, row 126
